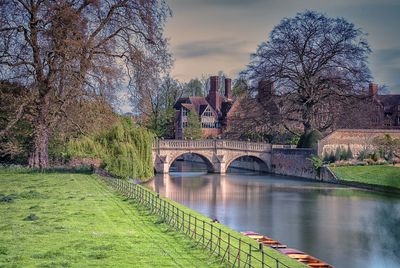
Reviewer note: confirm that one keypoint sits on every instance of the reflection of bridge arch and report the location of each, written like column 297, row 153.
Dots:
column 218, row 154
column 206, row 159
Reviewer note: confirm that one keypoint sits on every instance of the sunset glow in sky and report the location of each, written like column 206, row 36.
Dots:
column 207, row 36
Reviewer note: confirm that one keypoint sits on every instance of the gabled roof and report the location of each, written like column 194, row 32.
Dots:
column 389, row 100
column 197, row 102
column 187, row 105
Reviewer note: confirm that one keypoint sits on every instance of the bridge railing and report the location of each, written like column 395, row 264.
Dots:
column 212, row 144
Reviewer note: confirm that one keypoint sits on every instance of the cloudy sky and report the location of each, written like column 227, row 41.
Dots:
column 207, row 36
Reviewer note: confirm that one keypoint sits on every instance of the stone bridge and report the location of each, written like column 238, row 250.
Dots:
column 217, row 154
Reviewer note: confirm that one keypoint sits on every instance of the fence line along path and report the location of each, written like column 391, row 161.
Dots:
column 231, row 249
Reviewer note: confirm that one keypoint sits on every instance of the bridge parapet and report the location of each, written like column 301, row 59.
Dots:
column 212, row 144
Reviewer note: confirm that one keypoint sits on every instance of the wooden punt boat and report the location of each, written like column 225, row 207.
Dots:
column 298, row 255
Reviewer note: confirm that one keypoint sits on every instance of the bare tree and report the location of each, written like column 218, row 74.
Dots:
column 316, row 63
column 154, row 100
column 65, row 51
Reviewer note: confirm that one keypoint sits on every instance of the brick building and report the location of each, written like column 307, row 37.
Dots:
column 212, row 110
column 386, row 107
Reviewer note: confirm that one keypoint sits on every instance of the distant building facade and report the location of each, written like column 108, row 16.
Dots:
column 212, row 110
column 266, row 112
column 387, row 108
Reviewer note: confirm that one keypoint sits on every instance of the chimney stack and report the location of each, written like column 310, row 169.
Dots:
column 213, row 95
column 228, row 88
column 373, row 89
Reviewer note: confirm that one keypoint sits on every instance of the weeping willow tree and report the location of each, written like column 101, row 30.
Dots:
column 125, row 149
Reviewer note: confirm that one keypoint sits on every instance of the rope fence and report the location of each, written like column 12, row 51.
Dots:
column 228, row 247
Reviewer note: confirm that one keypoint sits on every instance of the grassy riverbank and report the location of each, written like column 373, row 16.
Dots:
column 382, row 176
column 75, row 220
column 270, row 262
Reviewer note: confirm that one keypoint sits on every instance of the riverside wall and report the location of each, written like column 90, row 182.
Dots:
column 293, row 162
column 356, row 139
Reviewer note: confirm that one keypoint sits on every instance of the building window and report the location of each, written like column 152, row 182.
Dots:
column 185, row 112
column 210, row 125
column 184, row 124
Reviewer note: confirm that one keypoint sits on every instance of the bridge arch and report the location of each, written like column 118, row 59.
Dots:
column 206, row 159
column 260, row 164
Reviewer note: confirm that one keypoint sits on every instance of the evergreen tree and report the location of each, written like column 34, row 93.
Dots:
column 349, row 153
column 332, row 157
column 338, row 154
column 193, row 129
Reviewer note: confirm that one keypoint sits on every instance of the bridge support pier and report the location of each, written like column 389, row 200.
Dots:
column 219, row 168
column 161, row 164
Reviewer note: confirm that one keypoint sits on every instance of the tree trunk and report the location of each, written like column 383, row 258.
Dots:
column 307, row 119
column 39, row 154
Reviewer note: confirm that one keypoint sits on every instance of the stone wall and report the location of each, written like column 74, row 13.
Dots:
column 357, row 139
column 293, row 162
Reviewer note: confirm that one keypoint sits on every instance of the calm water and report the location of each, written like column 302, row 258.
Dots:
column 343, row 226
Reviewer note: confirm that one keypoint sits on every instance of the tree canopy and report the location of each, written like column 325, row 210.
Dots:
column 65, row 52
column 315, row 62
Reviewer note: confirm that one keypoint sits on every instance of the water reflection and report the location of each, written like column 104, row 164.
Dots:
column 343, row 226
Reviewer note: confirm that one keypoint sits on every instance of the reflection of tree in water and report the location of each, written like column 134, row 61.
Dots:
column 386, row 225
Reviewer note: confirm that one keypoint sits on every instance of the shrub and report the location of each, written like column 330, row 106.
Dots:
column 310, row 139
column 349, row 153
column 375, row 156
column 316, row 162
column 363, row 154
column 338, row 154
column 326, row 157
column 332, row 157
column 387, row 145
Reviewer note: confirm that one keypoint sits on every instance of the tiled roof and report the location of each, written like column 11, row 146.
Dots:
column 389, row 100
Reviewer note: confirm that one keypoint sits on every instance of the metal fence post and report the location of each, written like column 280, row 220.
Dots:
column 262, row 255
column 203, row 232
column 250, row 255
column 211, row 237
column 219, row 241
column 229, row 247
column 195, row 227
column 239, row 251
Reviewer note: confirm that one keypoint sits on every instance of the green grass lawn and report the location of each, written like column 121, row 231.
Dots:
column 81, row 222
column 386, row 176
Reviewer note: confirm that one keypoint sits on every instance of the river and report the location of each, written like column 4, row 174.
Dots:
column 343, row 226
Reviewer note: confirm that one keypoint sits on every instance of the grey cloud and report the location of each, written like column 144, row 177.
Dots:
column 206, row 48
column 387, row 56
column 224, row 3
